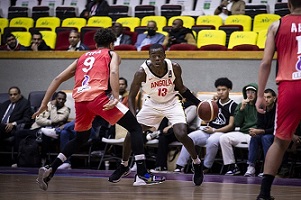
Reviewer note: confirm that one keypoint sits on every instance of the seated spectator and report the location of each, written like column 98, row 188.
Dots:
column 167, row 135
column 95, row 8
column 245, row 118
column 263, row 134
column 210, row 135
column 232, row 7
column 56, row 115
column 37, row 43
column 15, row 113
column 11, row 43
column 123, row 93
column 151, row 37
column 75, row 43
column 121, row 38
column 179, row 35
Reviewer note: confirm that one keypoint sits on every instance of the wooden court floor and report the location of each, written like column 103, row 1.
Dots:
column 86, row 185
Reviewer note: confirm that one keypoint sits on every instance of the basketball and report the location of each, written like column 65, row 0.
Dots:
column 207, row 110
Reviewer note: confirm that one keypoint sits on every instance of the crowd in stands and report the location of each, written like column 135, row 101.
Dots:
column 177, row 30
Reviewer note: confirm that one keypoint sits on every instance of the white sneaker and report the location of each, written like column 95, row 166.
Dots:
column 14, row 165
column 134, row 168
column 65, row 166
column 250, row 171
column 50, row 132
column 260, row 175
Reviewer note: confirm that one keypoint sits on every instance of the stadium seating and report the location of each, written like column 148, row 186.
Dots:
column 247, row 38
column 169, row 11
column 3, row 24
column 117, row 11
column 214, row 20
column 125, row 47
column 155, row 3
column 130, row 22
column 50, row 38
column 160, row 20
column 281, row 9
column 183, row 47
column 229, row 29
column 100, row 21
column 48, row 22
column 244, row 20
column 130, row 3
column 74, row 22
column 26, row 22
column 17, row 11
column 254, row 9
column 52, row 4
column 40, row 11
column 262, row 36
column 145, row 10
column 211, row 38
column 65, row 12
column 263, row 21
column 23, row 37
column 62, row 40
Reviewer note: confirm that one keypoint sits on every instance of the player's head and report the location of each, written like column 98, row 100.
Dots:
column 293, row 4
column 223, row 87
column 104, row 38
column 156, row 53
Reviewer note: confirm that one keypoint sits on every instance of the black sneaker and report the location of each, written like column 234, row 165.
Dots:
column 198, row 175
column 120, row 172
column 265, row 198
column 45, row 175
column 148, row 179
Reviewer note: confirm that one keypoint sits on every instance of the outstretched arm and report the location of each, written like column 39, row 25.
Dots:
column 56, row 82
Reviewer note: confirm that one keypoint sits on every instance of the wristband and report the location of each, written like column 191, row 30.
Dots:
column 188, row 95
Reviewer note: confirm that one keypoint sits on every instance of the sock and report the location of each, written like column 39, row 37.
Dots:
column 125, row 163
column 57, row 162
column 141, row 166
column 266, row 184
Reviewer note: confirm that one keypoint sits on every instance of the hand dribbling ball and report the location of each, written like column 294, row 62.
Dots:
column 207, row 110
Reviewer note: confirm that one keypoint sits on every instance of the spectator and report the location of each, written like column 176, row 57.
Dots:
column 151, row 37
column 75, row 43
column 168, row 135
column 121, row 38
column 123, row 93
column 232, row 7
column 15, row 113
column 179, row 35
column 11, row 43
column 245, row 118
column 263, row 134
column 95, row 8
column 37, row 43
column 210, row 135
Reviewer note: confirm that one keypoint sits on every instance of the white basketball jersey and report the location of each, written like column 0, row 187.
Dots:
column 159, row 89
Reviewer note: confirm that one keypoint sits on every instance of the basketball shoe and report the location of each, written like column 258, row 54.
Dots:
column 148, row 179
column 45, row 175
column 120, row 172
column 265, row 198
column 198, row 175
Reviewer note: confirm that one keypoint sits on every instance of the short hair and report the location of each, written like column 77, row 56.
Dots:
column 36, row 32
column 152, row 21
column 223, row 81
column 295, row 3
column 125, row 81
column 75, row 31
column 104, row 37
column 156, row 46
column 15, row 87
column 60, row 92
column 9, row 34
column 269, row 90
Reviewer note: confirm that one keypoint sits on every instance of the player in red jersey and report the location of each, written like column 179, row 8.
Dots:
column 285, row 37
column 96, row 92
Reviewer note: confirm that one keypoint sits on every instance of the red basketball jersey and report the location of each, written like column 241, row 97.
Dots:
column 92, row 75
column 288, row 46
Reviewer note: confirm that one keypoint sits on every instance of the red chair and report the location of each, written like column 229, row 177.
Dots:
column 62, row 41
column 246, row 47
column 89, row 39
column 133, row 35
column 213, row 47
column 183, row 47
column 146, row 47
column 125, row 47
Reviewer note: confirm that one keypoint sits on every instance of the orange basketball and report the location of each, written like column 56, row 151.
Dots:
column 207, row 110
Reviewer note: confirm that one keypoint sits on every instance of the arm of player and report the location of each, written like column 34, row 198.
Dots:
column 56, row 82
column 139, row 77
column 184, row 91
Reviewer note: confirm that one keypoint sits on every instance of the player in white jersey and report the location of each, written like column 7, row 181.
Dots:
column 161, row 81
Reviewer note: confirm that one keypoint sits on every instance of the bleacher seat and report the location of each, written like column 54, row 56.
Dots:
column 247, row 38
column 262, row 36
column 62, row 40
column 23, row 37
column 244, row 20
column 214, row 20
column 86, row 29
column 281, row 9
column 74, row 22
column 40, row 11
column 130, row 3
column 229, row 29
column 3, row 24
column 125, row 47
column 88, row 39
column 17, row 11
column 252, row 10
column 26, row 22
column 198, row 28
column 117, row 11
column 100, row 21
column 145, row 10
column 48, row 22
column 183, row 47
column 50, row 38
column 169, row 11
column 64, row 12
column 52, row 4
column 155, row 3
column 188, row 21
column 263, row 21
column 160, row 20
column 213, row 38
column 130, row 22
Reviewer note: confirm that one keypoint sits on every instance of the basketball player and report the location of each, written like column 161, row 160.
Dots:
column 284, row 36
column 161, row 81
column 96, row 92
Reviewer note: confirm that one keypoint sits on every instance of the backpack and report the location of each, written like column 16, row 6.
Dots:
column 29, row 153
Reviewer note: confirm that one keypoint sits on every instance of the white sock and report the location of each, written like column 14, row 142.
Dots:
column 196, row 161
column 62, row 157
column 125, row 163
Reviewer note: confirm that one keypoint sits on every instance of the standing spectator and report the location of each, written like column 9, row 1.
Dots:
column 151, row 37
column 283, row 35
column 11, row 43
column 245, row 118
column 15, row 113
column 37, row 43
column 121, row 38
column 75, row 43
column 95, row 8
column 232, row 7
column 263, row 134
column 210, row 135
column 179, row 35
